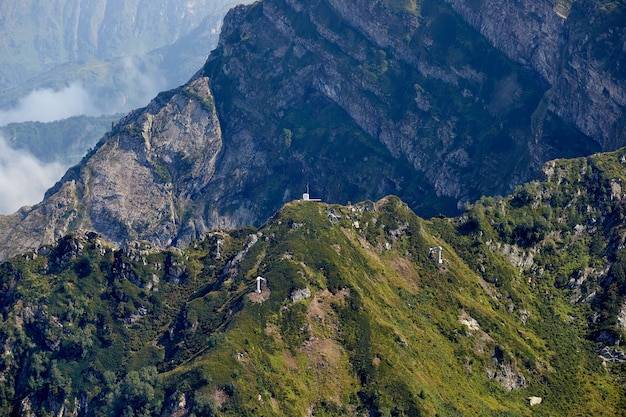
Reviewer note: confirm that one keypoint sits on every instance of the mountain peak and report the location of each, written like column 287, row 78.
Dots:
column 142, row 181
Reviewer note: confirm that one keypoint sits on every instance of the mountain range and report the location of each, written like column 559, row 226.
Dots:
column 399, row 98
column 176, row 271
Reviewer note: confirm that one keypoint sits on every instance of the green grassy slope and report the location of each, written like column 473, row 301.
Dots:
column 355, row 319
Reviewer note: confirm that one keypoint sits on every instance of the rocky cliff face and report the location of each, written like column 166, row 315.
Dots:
column 358, row 100
column 412, row 78
column 578, row 47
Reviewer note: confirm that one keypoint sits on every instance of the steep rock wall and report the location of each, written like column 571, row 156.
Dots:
column 414, row 78
column 578, row 47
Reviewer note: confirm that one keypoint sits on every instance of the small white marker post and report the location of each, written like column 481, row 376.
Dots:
column 439, row 249
column 220, row 242
column 258, row 284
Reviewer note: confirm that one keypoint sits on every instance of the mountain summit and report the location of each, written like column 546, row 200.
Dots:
column 361, row 100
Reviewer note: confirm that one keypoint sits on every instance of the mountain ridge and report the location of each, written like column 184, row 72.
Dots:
column 355, row 318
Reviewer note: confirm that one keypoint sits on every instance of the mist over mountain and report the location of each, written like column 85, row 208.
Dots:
column 35, row 155
column 42, row 38
column 24, row 179
column 74, row 58
column 49, row 105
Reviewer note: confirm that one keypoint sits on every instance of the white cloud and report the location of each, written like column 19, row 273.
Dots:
column 140, row 81
column 23, row 178
column 48, row 105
